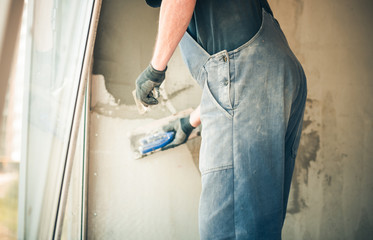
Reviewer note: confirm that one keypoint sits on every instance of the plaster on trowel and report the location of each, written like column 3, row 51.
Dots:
column 160, row 94
column 149, row 139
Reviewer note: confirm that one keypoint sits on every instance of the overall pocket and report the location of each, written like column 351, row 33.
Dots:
column 216, row 148
column 206, row 92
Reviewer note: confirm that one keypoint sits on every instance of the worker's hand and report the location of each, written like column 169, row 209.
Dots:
column 182, row 129
column 146, row 82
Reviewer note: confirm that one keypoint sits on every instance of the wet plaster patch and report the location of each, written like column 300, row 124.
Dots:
column 103, row 103
column 310, row 145
column 124, row 44
column 365, row 227
column 309, row 148
column 332, row 215
column 155, row 197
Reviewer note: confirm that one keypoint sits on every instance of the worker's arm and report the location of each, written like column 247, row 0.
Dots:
column 195, row 117
column 173, row 21
column 174, row 18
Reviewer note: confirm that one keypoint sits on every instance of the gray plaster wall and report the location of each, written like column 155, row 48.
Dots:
column 332, row 189
column 124, row 46
column 151, row 198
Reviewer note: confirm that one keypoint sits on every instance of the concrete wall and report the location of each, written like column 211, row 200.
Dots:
column 332, row 194
column 332, row 190
column 151, row 198
column 124, row 47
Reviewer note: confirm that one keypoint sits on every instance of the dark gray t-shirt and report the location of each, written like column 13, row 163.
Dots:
column 226, row 24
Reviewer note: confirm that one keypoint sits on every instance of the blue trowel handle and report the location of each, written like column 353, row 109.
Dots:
column 155, row 141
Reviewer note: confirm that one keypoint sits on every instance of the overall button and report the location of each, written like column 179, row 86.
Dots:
column 226, row 82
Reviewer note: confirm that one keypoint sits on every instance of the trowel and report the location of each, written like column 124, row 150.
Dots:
column 160, row 94
column 151, row 138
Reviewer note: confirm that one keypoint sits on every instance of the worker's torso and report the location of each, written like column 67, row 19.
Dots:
column 252, row 103
column 225, row 25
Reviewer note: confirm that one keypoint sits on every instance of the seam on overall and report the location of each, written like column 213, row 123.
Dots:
column 276, row 26
column 201, row 69
column 198, row 45
column 243, row 46
column 199, row 77
column 236, row 51
column 235, row 99
column 233, row 179
column 297, row 98
column 294, row 151
column 216, row 169
column 229, row 82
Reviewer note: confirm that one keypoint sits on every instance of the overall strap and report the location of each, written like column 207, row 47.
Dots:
column 193, row 55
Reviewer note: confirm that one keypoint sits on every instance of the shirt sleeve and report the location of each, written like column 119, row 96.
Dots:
column 154, row 3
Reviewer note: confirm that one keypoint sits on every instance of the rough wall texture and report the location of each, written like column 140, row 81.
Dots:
column 332, row 190
column 155, row 197
column 124, row 46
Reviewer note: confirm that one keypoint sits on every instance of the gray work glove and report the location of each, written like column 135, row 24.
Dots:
column 182, row 129
column 146, row 82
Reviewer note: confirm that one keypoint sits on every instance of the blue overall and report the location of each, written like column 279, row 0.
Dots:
column 252, row 109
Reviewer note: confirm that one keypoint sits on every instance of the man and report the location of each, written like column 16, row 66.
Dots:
column 252, row 104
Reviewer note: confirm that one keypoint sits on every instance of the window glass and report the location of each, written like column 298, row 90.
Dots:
column 73, row 216
column 59, row 36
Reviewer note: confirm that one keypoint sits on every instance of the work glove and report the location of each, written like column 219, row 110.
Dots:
column 182, row 129
column 148, row 80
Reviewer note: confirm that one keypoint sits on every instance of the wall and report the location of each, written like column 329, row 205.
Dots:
column 332, row 190
column 151, row 198
column 332, row 194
